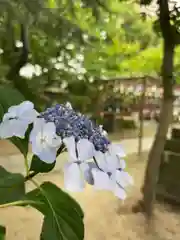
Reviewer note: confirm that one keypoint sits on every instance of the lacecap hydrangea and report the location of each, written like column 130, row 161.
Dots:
column 92, row 158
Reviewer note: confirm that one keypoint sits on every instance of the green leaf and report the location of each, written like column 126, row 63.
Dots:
column 12, row 186
column 51, row 3
column 9, row 97
column 38, row 166
column 21, row 144
column 63, row 217
column 2, row 232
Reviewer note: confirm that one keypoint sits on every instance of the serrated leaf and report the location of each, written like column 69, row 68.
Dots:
column 38, row 166
column 8, row 98
column 12, row 187
column 63, row 217
column 2, row 232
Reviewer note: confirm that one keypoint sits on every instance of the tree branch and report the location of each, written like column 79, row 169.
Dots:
column 169, row 31
column 20, row 59
column 164, row 19
column 23, row 58
column 155, row 79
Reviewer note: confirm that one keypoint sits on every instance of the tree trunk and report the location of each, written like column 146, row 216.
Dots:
column 154, row 160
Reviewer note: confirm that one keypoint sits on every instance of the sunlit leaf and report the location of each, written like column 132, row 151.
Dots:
column 52, row 3
column 63, row 217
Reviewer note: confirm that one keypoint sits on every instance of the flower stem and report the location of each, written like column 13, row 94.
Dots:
column 18, row 203
column 30, row 176
column 26, row 165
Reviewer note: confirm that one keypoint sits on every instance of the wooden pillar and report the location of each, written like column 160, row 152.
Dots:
column 141, row 125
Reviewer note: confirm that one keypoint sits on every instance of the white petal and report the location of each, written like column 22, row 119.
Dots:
column 20, row 128
column 84, row 166
column 37, row 127
column 6, row 129
column 47, row 155
column 24, row 111
column 21, row 109
column 123, row 178
column 119, row 192
column 85, row 149
column 117, row 149
column 88, row 172
column 49, row 128
column 101, row 180
column 106, row 161
column 45, row 142
column 10, row 128
column 49, row 131
column 122, row 164
column 73, row 179
column 71, row 148
column 7, row 116
column 25, row 106
column 13, row 109
column 101, row 161
column 56, row 142
column 29, row 116
column 112, row 161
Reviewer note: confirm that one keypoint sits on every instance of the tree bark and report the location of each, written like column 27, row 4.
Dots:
column 154, row 160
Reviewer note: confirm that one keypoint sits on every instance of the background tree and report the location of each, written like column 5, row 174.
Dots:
column 169, row 27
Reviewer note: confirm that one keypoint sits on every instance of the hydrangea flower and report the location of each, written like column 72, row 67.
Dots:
column 15, row 122
column 71, row 123
column 92, row 158
column 110, row 174
column 74, row 170
column 44, row 140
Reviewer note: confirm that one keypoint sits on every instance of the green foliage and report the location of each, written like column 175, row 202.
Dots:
column 148, row 62
column 12, row 186
column 51, row 3
column 63, row 217
column 2, row 232
column 39, row 166
column 69, row 45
